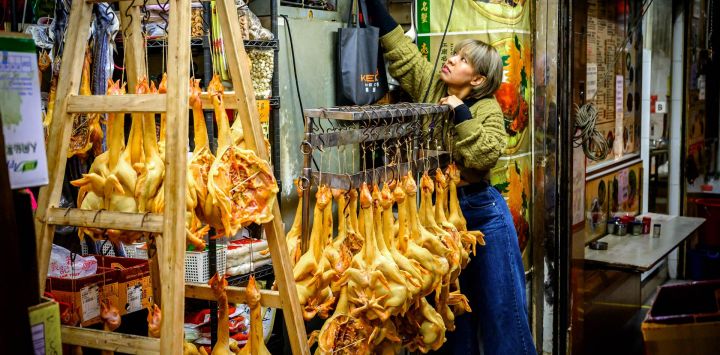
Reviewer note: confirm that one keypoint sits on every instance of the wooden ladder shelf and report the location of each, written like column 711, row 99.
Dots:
column 169, row 266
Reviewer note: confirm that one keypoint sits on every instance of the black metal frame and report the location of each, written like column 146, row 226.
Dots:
column 561, row 282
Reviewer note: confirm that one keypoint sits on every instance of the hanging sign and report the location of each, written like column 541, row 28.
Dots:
column 20, row 112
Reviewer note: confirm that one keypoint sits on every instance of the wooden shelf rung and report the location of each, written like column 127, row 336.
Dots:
column 228, row 100
column 130, row 103
column 268, row 298
column 141, row 222
column 99, row 339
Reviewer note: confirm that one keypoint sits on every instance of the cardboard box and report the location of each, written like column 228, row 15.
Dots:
column 84, row 295
column 45, row 327
column 134, row 285
column 684, row 319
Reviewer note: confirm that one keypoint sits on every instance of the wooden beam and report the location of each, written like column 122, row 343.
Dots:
column 171, row 246
column 105, row 219
column 229, row 101
column 60, row 130
column 134, row 42
column 268, row 298
column 130, row 103
column 239, row 65
column 98, row 339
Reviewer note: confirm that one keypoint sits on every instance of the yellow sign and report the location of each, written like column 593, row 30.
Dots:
column 263, row 107
column 45, row 326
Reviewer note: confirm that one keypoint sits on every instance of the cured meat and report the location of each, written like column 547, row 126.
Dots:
column 241, row 185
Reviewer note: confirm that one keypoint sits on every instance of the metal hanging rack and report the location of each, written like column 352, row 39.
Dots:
column 410, row 136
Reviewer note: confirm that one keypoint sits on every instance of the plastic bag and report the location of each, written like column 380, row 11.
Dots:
column 261, row 71
column 68, row 265
column 257, row 32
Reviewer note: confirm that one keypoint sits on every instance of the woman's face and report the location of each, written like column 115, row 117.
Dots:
column 458, row 72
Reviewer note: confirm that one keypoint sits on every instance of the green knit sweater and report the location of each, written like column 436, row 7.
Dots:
column 479, row 141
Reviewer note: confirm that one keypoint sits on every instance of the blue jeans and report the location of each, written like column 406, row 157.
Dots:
column 493, row 281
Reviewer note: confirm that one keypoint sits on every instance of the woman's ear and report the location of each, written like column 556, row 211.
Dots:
column 477, row 80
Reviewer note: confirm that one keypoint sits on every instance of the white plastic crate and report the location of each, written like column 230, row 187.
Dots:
column 83, row 247
column 197, row 265
column 107, row 248
column 136, row 250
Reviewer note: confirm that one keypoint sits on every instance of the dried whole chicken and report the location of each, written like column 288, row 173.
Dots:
column 342, row 333
column 375, row 285
column 219, row 287
column 427, row 219
column 434, row 265
column 295, row 233
column 151, row 171
column 198, row 169
column 191, row 349
column 399, row 279
column 418, row 233
column 441, row 211
column 339, row 251
column 411, row 268
column 111, row 180
column 256, row 342
column 423, row 328
column 242, row 186
column 44, row 62
column 110, row 316
column 52, row 95
column 86, row 132
column 313, row 272
column 154, row 319
column 469, row 238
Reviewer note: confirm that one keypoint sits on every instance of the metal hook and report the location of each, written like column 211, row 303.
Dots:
column 304, row 184
column 142, row 222
column 96, row 214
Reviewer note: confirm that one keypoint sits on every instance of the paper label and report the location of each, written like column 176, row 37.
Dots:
column 38, row 338
column 89, row 302
column 21, row 114
column 263, row 107
column 591, row 81
column 618, row 146
column 134, row 298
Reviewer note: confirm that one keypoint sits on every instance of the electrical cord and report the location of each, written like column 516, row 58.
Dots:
column 594, row 145
column 292, row 54
column 437, row 58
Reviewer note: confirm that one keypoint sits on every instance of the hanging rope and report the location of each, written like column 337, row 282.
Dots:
column 594, row 145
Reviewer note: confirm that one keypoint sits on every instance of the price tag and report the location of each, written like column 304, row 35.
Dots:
column 263, row 107
column 134, row 298
column 90, row 302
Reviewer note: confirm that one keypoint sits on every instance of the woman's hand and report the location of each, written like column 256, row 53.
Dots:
column 451, row 100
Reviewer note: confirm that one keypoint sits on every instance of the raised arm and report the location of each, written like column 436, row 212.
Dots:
column 407, row 64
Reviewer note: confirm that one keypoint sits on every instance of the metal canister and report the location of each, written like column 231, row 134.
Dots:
column 646, row 225
column 637, row 227
column 656, row 230
column 621, row 229
column 611, row 226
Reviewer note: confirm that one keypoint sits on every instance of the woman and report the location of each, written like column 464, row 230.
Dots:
column 494, row 280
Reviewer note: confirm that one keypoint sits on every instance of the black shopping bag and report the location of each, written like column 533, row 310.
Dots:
column 362, row 78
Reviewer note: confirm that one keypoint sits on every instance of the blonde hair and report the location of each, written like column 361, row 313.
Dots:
column 486, row 61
